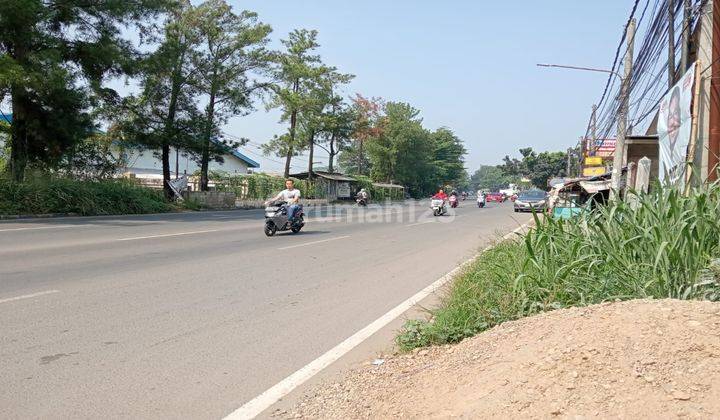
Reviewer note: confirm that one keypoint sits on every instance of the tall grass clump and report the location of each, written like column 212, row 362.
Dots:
column 85, row 198
column 657, row 245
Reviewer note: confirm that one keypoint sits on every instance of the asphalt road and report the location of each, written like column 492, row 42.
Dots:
column 191, row 315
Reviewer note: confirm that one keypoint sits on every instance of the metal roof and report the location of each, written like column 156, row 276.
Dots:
column 327, row 175
column 381, row 185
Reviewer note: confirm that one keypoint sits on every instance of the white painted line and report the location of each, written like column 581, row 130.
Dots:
column 13, row 299
column 262, row 402
column 313, row 243
column 167, row 235
column 38, row 228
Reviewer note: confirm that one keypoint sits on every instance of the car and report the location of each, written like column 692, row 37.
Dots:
column 533, row 200
column 494, row 196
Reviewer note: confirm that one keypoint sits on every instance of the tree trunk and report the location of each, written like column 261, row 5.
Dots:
column 360, row 158
column 311, row 144
column 18, row 138
column 169, row 128
column 205, row 163
column 293, row 125
column 331, row 158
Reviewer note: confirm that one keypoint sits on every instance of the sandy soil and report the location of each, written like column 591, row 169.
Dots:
column 637, row 359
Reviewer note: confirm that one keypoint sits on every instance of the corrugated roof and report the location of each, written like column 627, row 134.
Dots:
column 327, row 175
column 381, row 185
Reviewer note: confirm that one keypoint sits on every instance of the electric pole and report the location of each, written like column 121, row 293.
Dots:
column 671, row 43
column 685, row 48
column 619, row 157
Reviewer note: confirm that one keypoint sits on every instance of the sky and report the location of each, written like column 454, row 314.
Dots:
column 469, row 65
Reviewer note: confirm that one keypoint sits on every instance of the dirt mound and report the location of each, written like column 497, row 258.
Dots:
column 637, row 359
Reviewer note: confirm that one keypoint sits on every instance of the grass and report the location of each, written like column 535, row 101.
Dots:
column 85, row 198
column 660, row 245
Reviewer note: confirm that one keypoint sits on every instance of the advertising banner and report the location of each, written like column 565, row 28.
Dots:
column 674, row 123
column 601, row 147
column 593, row 161
column 593, row 171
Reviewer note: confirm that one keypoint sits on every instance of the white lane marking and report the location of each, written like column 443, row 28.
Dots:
column 167, row 235
column 262, row 402
column 38, row 228
column 32, row 295
column 313, row 243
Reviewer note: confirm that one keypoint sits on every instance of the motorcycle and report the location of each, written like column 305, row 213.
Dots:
column 276, row 218
column 438, row 207
column 453, row 201
column 481, row 201
column 362, row 202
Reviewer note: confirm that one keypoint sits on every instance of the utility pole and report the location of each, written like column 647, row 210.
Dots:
column 685, row 49
column 569, row 163
column 671, row 43
column 619, row 157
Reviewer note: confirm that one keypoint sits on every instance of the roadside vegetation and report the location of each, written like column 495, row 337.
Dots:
column 659, row 245
column 83, row 198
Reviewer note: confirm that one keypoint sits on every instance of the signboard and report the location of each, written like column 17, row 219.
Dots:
column 674, row 121
column 593, row 161
column 178, row 185
column 593, row 171
column 601, row 147
column 343, row 190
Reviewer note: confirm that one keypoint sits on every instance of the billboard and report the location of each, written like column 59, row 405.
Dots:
column 674, row 123
column 594, row 171
column 601, row 147
column 593, row 161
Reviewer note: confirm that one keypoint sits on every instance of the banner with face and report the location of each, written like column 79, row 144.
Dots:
column 674, row 126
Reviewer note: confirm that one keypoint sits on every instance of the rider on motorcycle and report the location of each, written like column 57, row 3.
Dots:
column 440, row 195
column 363, row 195
column 291, row 196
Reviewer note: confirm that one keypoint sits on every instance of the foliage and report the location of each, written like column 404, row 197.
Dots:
column 538, row 167
column 259, row 186
column 165, row 114
column 85, row 198
column 490, row 178
column 230, row 53
column 91, row 159
column 54, row 58
column 298, row 72
column 659, row 245
column 401, row 150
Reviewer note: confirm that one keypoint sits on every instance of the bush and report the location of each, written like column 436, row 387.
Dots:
column 86, row 198
column 659, row 245
column 259, row 186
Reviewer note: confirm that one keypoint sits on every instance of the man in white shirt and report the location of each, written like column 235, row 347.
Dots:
column 291, row 196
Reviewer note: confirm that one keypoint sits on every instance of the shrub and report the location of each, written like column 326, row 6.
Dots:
column 659, row 245
column 86, row 198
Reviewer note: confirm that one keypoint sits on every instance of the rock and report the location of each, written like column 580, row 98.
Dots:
column 680, row 395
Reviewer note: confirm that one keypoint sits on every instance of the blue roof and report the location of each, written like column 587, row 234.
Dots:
column 5, row 117
column 251, row 163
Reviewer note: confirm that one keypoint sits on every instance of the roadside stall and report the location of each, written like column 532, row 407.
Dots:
column 575, row 196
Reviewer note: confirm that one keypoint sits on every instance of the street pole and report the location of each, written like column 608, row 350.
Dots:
column 685, row 49
column 671, row 43
column 619, row 157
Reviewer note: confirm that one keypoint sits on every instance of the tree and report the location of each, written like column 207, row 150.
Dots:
column 368, row 124
column 491, row 178
column 297, row 73
column 166, row 112
column 54, row 57
column 321, row 101
column 338, row 126
column 232, row 51
column 449, row 156
column 539, row 168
